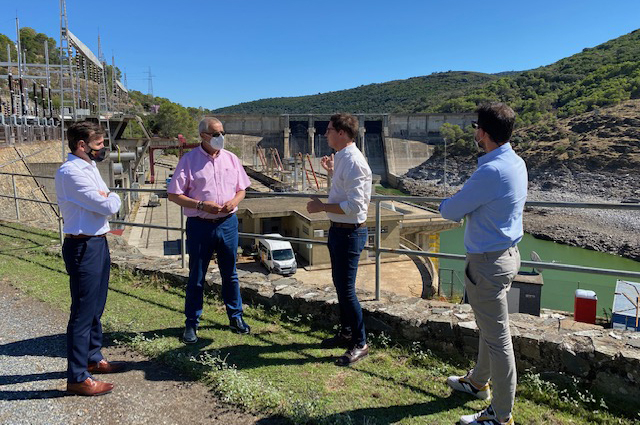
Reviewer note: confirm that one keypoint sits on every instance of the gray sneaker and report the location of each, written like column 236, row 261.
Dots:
column 189, row 335
column 463, row 384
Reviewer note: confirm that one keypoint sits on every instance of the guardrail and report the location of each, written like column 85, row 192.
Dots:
column 376, row 200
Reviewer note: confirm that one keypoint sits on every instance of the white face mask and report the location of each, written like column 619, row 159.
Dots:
column 217, row 143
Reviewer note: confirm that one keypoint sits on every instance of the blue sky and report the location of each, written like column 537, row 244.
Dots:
column 219, row 53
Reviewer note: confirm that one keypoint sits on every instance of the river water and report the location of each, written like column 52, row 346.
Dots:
column 559, row 287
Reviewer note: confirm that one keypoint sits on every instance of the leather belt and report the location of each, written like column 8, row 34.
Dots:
column 81, row 236
column 346, row 225
column 215, row 220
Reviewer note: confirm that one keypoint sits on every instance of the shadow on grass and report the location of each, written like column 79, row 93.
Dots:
column 393, row 414
column 28, row 259
column 6, row 227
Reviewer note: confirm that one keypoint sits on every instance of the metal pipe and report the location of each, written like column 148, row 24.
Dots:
column 150, row 226
column 183, row 243
column 60, row 229
column 12, row 94
column 19, row 48
column 44, row 106
column 377, row 243
column 23, row 107
column 35, row 99
column 27, row 199
column 536, row 264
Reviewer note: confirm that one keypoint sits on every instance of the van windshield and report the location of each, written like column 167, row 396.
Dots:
column 282, row 254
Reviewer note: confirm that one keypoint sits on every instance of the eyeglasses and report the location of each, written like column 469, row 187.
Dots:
column 215, row 133
column 475, row 125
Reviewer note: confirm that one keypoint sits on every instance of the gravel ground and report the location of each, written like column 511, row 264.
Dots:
column 32, row 382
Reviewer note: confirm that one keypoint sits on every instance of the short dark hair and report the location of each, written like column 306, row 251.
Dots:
column 497, row 119
column 347, row 123
column 83, row 130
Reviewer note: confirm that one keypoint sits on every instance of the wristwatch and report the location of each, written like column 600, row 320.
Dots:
column 200, row 205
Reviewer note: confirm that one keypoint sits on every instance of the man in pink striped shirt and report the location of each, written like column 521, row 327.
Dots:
column 209, row 183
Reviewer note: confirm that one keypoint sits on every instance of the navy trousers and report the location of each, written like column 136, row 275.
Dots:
column 345, row 246
column 203, row 239
column 88, row 264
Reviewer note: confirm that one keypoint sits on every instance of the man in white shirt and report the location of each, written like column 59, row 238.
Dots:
column 346, row 207
column 85, row 204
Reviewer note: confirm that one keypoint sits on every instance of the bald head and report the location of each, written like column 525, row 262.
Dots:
column 207, row 123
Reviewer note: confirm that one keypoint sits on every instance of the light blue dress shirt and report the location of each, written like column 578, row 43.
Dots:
column 492, row 200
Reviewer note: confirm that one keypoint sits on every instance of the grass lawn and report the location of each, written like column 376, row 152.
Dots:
column 278, row 369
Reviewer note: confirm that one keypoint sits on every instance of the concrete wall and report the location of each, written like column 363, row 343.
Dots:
column 393, row 143
column 421, row 126
column 405, row 154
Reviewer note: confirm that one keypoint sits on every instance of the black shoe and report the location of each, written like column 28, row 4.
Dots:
column 189, row 335
column 239, row 326
column 338, row 341
column 353, row 355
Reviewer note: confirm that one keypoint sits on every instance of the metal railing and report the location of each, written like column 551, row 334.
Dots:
column 376, row 200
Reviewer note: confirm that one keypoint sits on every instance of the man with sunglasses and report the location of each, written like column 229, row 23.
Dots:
column 492, row 201
column 209, row 182
column 347, row 208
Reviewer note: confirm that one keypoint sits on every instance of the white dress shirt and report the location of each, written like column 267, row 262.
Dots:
column 350, row 185
column 84, row 210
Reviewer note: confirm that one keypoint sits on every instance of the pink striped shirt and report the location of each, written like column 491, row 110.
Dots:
column 205, row 178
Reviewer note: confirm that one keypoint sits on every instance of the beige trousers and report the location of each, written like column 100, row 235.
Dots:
column 488, row 277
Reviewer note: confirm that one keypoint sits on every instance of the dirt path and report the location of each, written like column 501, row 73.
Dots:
column 32, row 381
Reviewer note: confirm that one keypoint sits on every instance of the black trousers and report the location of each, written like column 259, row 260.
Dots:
column 88, row 264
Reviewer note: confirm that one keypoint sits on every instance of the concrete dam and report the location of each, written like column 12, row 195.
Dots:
column 392, row 143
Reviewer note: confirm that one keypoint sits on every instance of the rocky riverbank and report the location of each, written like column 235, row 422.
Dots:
column 611, row 231
column 593, row 157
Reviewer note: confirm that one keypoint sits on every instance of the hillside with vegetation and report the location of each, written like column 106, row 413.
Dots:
column 410, row 95
column 600, row 76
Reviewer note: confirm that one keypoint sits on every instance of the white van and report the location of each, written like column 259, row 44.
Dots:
column 277, row 256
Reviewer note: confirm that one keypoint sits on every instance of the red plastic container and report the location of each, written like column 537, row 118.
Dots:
column 584, row 308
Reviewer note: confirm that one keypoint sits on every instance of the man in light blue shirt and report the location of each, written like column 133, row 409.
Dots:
column 492, row 200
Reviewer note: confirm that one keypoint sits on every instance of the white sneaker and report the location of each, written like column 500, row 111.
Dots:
column 486, row 417
column 463, row 383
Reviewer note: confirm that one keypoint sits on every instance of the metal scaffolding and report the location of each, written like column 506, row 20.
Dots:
column 35, row 105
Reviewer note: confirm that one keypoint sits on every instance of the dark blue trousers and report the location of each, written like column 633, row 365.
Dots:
column 345, row 247
column 203, row 239
column 88, row 264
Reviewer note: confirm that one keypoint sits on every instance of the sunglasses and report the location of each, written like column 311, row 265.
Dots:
column 475, row 125
column 215, row 133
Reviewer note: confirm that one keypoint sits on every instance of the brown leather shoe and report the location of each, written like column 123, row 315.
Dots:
column 353, row 355
column 89, row 387
column 104, row 366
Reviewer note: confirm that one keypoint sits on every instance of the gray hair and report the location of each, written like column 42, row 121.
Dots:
column 205, row 122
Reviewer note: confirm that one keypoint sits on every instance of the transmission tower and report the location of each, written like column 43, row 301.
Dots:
column 150, row 78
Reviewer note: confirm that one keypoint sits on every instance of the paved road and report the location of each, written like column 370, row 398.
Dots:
column 32, row 378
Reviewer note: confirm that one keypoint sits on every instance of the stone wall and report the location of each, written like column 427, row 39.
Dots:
column 606, row 360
